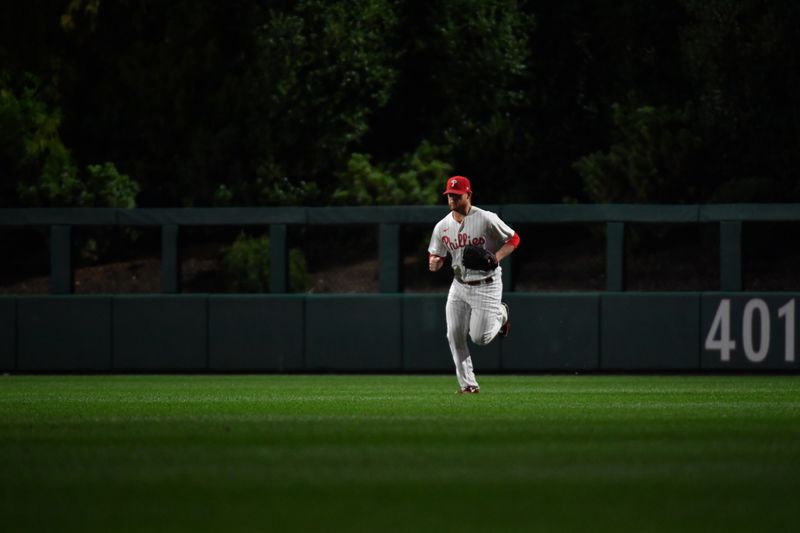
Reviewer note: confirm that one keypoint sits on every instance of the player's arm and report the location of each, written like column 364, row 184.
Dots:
column 436, row 250
column 509, row 246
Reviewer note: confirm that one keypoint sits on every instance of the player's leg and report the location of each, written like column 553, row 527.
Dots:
column 458, row 319
column 488, row 312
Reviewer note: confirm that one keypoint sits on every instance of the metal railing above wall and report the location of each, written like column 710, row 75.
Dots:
column 389, row 221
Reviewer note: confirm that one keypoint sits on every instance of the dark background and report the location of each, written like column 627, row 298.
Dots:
column 154, row 103
column 196, row 103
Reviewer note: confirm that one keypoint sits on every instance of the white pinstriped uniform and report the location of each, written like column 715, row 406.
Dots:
column 472, row 311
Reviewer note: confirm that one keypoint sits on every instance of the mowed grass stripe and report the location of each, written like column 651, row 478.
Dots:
column 360, row 453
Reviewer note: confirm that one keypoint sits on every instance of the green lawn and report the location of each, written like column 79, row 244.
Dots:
column 399, row 453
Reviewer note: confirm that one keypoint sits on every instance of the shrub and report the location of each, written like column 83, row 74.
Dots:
column 413, row 179
column 654, row 158
column 245, row 266
column 30, row 146
column 105, row 186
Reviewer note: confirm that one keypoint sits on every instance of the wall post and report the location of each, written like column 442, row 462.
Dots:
column 278, row 259
column 61, row 272
column 389, row 260
column 730, row 255
column 615, row 256
column 170, row 260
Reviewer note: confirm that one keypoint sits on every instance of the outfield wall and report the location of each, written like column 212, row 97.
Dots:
column 608, row 331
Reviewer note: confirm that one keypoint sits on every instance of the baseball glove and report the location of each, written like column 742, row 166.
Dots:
column 478, row 258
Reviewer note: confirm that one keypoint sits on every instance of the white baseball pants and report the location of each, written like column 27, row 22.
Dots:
column 472, row 311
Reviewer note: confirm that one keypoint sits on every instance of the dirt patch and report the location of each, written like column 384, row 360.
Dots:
column 569, row 268
column 198, row 275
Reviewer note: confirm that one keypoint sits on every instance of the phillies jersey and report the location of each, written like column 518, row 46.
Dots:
column 480, row 228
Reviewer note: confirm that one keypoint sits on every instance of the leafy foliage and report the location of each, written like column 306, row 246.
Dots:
column 100, row 186
column 34, row 156
column 414, row 179
column 316, row 102
column 652, row 160
column 481, row 64
column 324, row 65
column 745, row 74
column 245, row 266
column 30, row 145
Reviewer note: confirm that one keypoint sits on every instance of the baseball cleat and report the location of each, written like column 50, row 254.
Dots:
column 506, row 327
column 468, row 390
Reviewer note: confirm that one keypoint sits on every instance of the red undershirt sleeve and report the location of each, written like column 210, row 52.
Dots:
column 514, row 240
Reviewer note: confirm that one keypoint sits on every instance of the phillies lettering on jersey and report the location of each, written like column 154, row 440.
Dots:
column 479, row 227
column 463, row 240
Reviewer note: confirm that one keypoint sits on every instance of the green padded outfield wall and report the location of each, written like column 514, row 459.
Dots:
column 552, row 332
column 749, row 331
column 354, row 332
column 8, row 333
column 161, row 333
column 650, row 331
column 64, row 333
column 424, row 337
column 256, row 332
column 395, row 333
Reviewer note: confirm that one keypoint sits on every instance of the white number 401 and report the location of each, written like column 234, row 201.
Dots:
column 719, row 336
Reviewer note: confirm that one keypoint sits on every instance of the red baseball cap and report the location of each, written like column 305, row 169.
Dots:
column 457, row 185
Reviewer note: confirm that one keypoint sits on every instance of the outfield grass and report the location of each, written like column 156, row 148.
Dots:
column 399, row 453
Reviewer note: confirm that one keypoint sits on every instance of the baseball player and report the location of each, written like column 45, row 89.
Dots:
column 477, row 241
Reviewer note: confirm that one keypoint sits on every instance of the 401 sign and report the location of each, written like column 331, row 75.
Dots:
column 748, row 332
